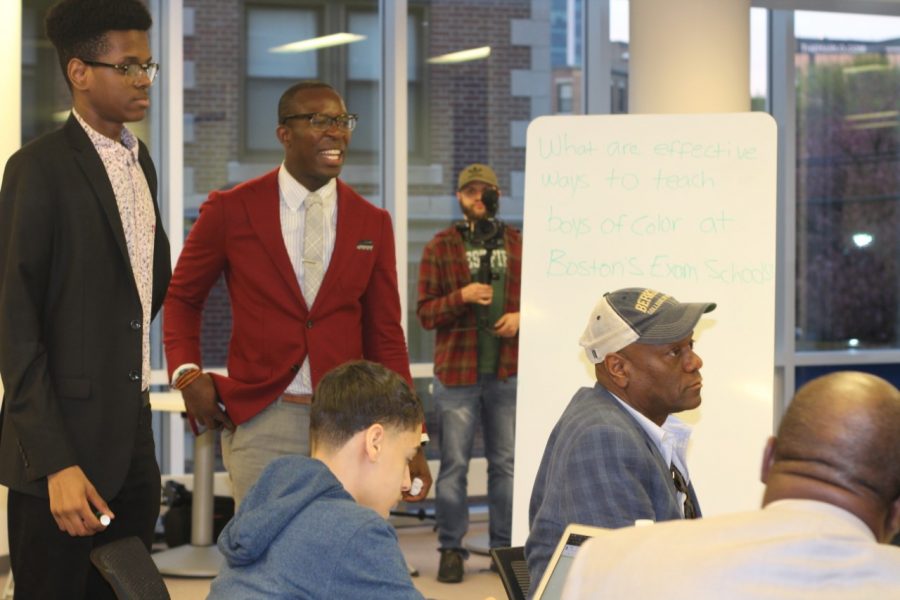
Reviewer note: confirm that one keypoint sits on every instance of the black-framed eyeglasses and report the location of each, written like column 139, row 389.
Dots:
column 130, row 70
column 346, row 121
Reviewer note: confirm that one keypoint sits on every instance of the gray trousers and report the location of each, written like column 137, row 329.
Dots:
column 280, row 429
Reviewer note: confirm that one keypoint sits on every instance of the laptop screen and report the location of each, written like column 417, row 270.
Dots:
column 558, row 568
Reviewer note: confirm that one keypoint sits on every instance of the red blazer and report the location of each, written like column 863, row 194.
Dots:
column 356, row 313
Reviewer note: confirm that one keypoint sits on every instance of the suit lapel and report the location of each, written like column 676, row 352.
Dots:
column 149, row 173
column 162, row 261
column 664, row 469
column 638, row 430
column 92, row 166
column 262, row 202
column 347, row 235
column 694, row 499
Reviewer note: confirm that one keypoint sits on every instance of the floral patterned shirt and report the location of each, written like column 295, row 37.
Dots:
column 120, row 158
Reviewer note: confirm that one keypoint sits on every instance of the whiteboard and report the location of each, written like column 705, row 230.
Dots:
column 684, row 204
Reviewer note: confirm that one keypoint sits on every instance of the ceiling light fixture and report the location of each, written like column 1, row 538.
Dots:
column 325, row 41
column 461, row 56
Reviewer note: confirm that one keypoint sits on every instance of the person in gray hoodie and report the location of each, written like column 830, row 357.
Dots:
column 316, row 527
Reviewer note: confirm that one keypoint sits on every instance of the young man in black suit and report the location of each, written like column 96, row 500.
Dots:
column 84, row 265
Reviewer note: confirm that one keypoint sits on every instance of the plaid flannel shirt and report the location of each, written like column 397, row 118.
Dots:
column 443, row 273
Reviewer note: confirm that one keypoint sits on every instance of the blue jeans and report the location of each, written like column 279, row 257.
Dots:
column 458, row 409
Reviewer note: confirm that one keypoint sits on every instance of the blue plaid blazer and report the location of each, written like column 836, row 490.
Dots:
column 599, row 468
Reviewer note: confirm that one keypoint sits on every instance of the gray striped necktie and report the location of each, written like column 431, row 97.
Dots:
column 313, row 248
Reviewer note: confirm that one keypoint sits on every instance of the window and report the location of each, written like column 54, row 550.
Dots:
column 272, row 67
column 759, row 53
column 480, row 104
column 619, row 36
column 848, row 192
column 563, row 98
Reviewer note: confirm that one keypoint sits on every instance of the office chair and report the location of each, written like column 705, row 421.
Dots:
column 513, row 571
column 127, row 566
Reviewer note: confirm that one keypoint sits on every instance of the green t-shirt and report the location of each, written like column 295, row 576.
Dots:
column 488, row 342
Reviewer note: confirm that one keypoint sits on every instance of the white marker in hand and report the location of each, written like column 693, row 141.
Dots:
column 416, row 488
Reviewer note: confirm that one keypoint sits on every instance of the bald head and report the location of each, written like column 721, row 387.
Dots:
column 838, row 443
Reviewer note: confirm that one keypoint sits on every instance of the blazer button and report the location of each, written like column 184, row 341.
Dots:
column 134, row 375
column 309, row 324
column 135, row 324
column 295, row 367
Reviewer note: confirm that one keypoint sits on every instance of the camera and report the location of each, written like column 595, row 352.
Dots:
column 489, row 227
column 487, row 233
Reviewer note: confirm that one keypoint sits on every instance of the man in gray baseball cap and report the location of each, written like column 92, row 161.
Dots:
column 617, row 453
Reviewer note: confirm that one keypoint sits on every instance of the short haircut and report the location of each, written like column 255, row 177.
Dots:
column 843, row 427
column 357, row 395
column 78, row 28
column 284, row 103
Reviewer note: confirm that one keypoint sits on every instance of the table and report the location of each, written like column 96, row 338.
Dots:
column 200, row 558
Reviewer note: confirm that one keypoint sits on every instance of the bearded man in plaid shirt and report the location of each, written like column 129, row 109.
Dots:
column 475, row 311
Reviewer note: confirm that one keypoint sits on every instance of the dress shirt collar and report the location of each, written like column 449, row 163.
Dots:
column 671, row 439
column 854, row 524
column 294, row 193
column 100, row 141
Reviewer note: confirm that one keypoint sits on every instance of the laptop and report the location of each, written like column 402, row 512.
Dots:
column 554, row 578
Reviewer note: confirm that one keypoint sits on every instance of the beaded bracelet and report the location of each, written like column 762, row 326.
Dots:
column 186, row 378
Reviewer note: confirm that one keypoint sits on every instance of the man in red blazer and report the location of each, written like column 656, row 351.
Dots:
column 311, row 273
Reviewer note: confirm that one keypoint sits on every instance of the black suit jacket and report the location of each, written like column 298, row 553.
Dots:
column 70, row 315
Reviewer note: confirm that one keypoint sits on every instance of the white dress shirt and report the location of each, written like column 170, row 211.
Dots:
column 789, row 550
column 292, row 209
column 671, row 440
